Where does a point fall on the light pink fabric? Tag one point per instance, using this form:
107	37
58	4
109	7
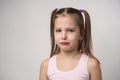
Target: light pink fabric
80	72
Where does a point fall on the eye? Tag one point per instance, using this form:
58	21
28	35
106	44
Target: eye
57	30
71	30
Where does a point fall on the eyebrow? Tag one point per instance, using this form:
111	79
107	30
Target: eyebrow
66	28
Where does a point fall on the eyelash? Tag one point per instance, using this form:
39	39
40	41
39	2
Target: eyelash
58	30
70	30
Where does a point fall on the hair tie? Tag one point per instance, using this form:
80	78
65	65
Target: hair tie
58	9
81	10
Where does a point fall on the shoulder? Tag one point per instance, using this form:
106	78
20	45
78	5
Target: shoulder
94	69
92	62
43	70
44	63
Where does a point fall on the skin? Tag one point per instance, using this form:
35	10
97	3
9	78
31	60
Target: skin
66	30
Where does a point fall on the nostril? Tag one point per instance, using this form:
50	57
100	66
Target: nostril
64	36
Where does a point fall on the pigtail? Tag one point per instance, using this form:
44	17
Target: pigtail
52	32
87	34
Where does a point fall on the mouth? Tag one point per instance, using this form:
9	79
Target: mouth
64	43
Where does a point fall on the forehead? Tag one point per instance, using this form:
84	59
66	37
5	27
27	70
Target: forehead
65	21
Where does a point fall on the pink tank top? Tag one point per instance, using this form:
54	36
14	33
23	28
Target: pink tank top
80	72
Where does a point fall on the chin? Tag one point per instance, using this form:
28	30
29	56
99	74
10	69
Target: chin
66	49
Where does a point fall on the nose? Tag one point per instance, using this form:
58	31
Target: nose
64	35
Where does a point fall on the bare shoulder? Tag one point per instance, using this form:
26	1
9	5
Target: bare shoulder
92	63
43	70
94	69
44	63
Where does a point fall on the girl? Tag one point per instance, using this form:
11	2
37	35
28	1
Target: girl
71	56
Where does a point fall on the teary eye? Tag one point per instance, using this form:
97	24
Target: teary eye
71	30
58	30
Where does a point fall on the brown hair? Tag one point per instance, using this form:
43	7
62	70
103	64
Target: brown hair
84	24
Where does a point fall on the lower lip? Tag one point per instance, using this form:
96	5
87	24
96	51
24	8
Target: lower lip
64	44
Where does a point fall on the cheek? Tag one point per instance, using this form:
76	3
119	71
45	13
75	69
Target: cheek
56	38
74	37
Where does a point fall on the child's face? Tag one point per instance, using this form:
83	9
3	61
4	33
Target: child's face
67	33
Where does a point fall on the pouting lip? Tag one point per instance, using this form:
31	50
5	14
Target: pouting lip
64	43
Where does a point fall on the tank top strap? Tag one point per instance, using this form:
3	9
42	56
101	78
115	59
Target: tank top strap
83	64
84	58
51	65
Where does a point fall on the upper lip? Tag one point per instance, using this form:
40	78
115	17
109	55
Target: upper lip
64	42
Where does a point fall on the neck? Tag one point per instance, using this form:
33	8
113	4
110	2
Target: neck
69	53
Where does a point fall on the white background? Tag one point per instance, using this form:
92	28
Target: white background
25	40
